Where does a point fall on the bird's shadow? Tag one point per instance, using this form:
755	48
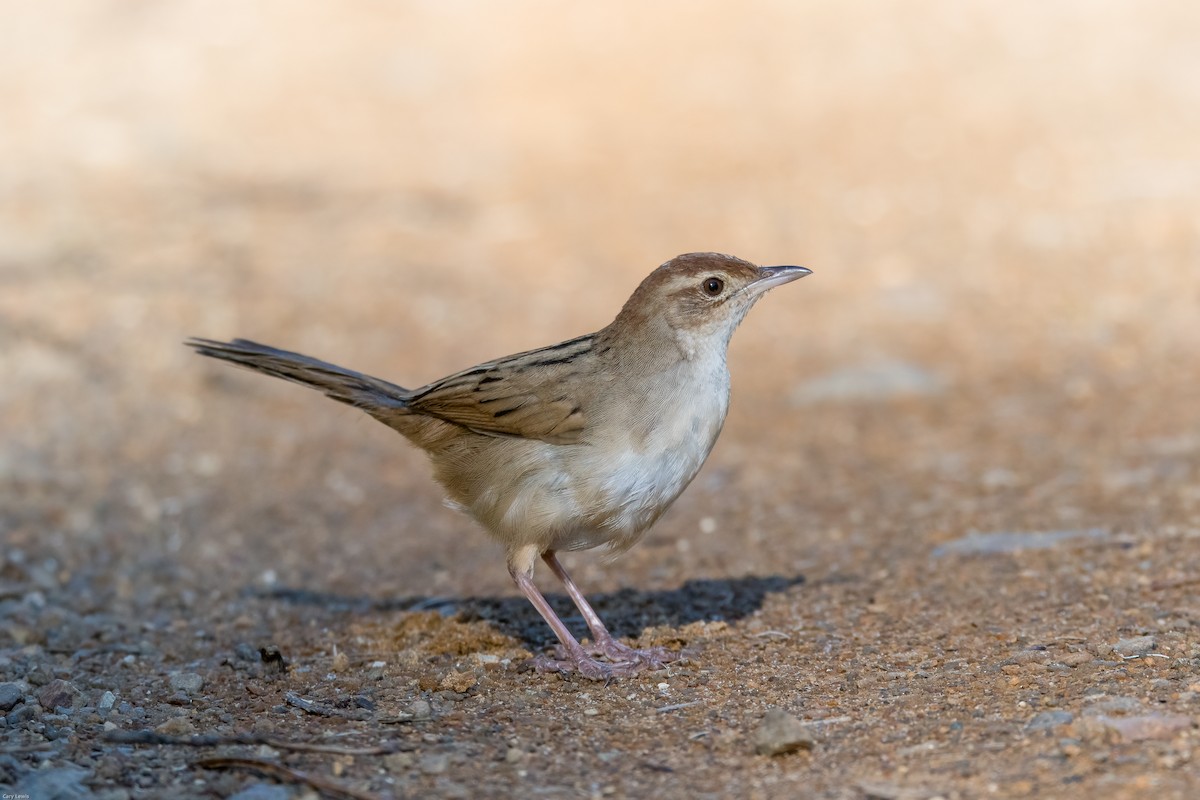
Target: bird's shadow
627	612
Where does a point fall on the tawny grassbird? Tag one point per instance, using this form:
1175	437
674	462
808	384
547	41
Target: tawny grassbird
577	445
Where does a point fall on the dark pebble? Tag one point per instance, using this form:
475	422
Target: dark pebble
21	715
36	677
246	652
58	694
10	695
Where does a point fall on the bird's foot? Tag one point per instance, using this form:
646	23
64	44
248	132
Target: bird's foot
587	666
651	657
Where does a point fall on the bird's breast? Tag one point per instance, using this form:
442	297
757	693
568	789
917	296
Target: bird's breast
651	455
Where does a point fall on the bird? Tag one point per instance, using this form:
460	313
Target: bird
573	446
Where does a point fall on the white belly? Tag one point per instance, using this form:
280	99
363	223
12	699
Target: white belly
639	477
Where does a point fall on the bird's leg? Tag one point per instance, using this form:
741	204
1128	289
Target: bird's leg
574	657
605	643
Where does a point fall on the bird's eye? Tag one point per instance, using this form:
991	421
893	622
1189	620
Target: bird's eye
713	286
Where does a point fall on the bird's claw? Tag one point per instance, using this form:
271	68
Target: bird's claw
652	657
591	668
621	660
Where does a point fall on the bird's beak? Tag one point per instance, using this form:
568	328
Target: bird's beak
770	277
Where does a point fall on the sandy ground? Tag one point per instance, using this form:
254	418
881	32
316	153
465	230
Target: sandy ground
952	526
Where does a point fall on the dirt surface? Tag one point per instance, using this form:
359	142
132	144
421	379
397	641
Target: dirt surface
952	527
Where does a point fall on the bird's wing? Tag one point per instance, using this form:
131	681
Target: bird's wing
533	395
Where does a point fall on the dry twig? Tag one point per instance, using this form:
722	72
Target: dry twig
320	709
150	737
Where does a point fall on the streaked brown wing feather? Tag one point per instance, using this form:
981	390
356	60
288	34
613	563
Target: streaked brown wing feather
527	395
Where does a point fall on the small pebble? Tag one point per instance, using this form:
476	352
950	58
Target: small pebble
781	733
1136	646
434	763
10	695
420	709
246	652
54	732
107	701
1076	659
265	751
976	543
1047	720
1114	705
57	694
37	677
460	682
176	726
1147	726
188	682
21	714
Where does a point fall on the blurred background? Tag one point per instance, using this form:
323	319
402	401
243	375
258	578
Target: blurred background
999	203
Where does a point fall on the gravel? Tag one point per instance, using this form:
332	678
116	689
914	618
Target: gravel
1003	293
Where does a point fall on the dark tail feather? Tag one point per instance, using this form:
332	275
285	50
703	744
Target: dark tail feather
346	386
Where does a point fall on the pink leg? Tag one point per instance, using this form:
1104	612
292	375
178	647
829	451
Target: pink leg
605	644
574	656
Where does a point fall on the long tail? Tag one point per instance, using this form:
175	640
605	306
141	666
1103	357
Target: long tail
377	397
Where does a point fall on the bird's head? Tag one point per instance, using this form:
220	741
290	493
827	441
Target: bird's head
702	297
